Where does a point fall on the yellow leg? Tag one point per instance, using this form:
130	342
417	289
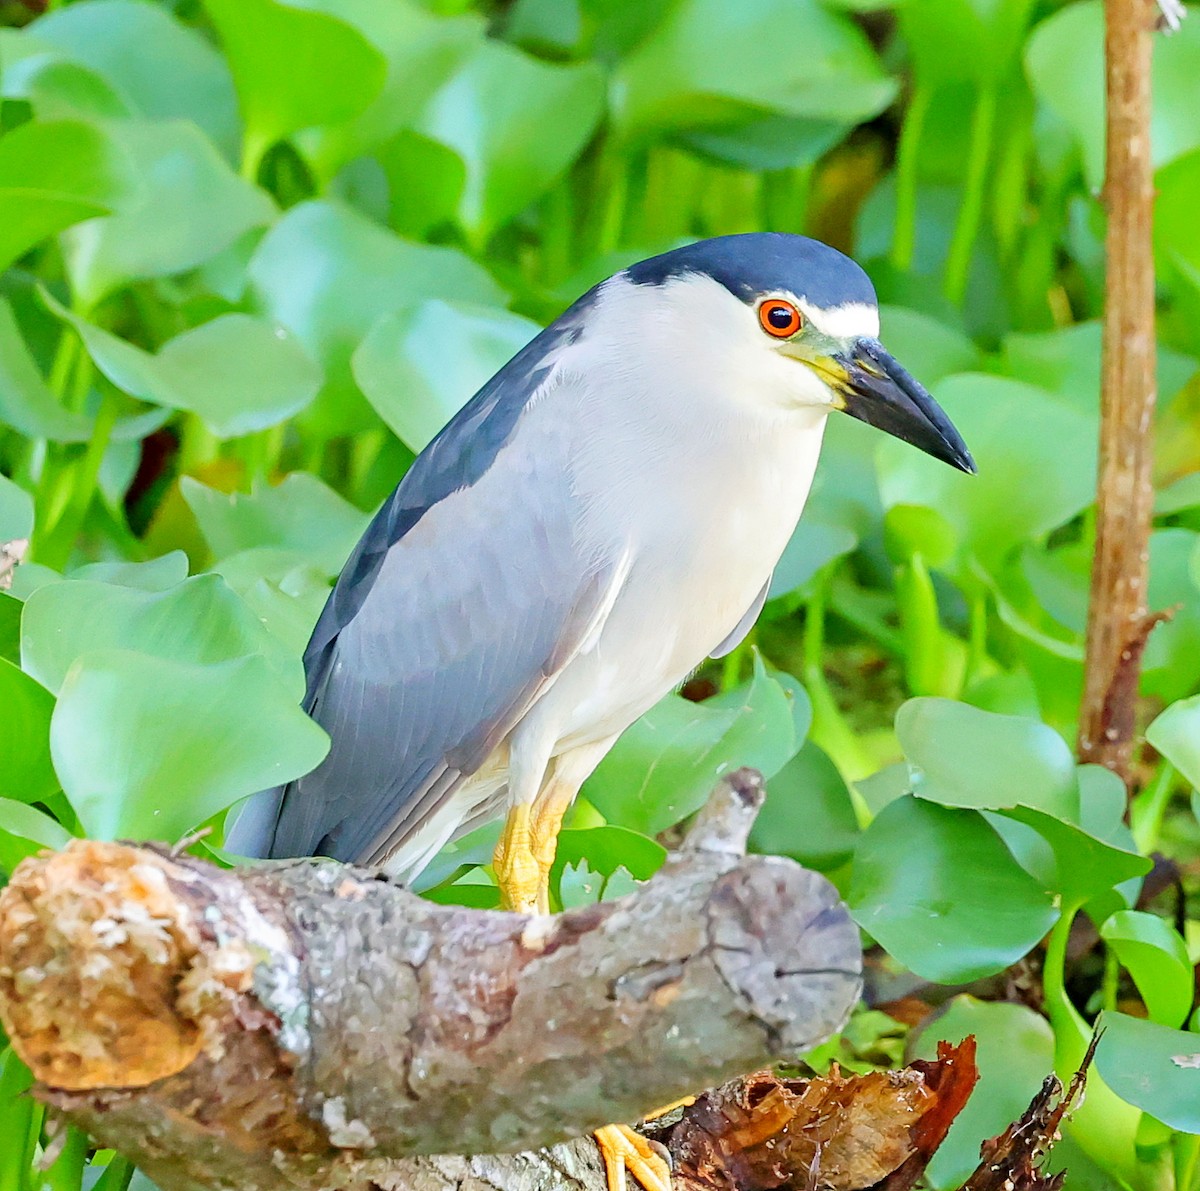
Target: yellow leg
548	813
517	870
625	1150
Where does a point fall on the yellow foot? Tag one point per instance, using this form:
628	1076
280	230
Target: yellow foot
624	1150
518	873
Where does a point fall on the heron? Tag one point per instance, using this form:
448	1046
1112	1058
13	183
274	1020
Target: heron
603	515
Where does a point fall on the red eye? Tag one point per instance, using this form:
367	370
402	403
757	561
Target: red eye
780	318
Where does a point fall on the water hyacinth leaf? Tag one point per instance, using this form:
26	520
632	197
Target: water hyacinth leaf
293	68
26	402
55	173
25	831
1036	457
768	143
148	747
709	64
301	514
421	51
53	85
189	206
963	756
16	511
665	765
327	273
1175	733
930	349
964	40
426	182
1155	955
808	814
10	628
1171	663
199	621
420	365
1015	1050
26	774
157	574
158	67
921	910
813	545
608	848
237	373
1075	34
1152	1067
517	123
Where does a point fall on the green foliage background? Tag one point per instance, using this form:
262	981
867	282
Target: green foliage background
253	254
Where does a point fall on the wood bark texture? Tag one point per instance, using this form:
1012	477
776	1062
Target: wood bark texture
309	1025
1118	622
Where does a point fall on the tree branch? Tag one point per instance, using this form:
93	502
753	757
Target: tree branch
1118	624
306	1024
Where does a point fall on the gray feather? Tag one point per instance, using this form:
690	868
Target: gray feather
744	625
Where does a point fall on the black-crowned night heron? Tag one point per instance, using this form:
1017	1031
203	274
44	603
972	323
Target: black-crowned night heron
600	517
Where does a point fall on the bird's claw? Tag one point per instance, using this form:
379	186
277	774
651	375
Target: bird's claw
625	1150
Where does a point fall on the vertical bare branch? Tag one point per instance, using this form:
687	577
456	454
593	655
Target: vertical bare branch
1117	617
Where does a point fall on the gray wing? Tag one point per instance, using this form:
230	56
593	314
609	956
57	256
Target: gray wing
744	625
462	601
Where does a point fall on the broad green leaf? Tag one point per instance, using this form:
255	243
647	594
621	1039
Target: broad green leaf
1075	35
964	40
199	621
1171	663
666	764
929	349
710	63
148	747
26	774
1155	955
1155	1068
53	174
1175	232
808	814
517	123
1015	1052
293	68
426	182
1036	457
16	511
160	68
189	206
606	849
768	142
962	756
28	405
327	273
908	892
54	86
813	545
1175	733
282	588
10	628
25	830
420	365
237	373
300	514
155	575
421	51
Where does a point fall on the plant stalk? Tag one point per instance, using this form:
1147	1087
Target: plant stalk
1117	615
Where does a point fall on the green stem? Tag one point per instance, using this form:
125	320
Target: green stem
970	214
1150	806
977	638
1187	1161
66	1171
904	238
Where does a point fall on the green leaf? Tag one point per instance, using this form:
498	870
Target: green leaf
199	621
16	511
808	814
148	748
155	575
1036	457
930	349
964	40
666	764
237	373
1015	1052
813	545
710	64
189	207
426	182
1157	958
517	123
25	831
327	274
962	756
606	849
293	68
10	628
1075	35
53	85
26	775
1153	1068
160	68
1171	663
420	365
1175	733
908	892
301	514
53	174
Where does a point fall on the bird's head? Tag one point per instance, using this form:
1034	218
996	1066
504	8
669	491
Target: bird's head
770	297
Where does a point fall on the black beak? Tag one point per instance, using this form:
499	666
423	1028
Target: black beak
878	391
